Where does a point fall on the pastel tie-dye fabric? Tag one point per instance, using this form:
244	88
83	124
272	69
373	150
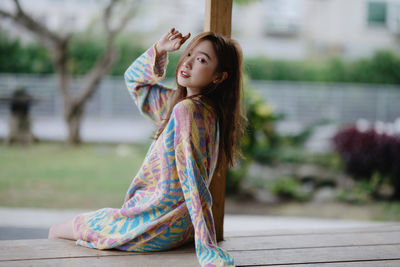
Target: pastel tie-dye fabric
168	202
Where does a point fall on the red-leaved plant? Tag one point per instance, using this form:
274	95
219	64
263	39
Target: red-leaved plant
367	152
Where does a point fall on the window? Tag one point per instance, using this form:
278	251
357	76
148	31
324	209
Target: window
377	13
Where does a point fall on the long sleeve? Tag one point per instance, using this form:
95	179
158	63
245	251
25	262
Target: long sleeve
191	161
142	79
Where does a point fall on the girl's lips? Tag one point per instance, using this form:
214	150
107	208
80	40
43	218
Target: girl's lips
184	74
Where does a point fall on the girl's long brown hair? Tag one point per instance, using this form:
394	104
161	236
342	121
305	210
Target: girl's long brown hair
226	98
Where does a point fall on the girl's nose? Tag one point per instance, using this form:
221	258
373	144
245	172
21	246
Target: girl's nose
188	63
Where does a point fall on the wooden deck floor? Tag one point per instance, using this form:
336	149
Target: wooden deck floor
349	247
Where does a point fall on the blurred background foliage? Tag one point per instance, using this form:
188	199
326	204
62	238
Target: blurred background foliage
16	57
263	145
382	67
363	167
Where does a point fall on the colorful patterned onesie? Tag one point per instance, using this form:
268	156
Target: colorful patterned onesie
168	202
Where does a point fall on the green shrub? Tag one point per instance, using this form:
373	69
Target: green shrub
382	67
259	139
173	62
128	52
289	188
83	53
16	57
336	70
264	69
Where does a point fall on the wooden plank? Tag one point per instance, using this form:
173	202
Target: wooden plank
173	260
328	237
390	227
309	241
370	245
47	252
181	260
385	263
44	248
217	19
316	255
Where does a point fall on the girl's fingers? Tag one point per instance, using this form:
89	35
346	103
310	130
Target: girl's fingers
184	38
179	35
174	36
170	33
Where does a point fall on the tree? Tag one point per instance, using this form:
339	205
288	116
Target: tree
57	45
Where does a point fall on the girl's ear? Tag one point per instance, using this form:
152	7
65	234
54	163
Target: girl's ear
221	78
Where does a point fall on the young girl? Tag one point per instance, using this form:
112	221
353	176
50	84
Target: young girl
168	202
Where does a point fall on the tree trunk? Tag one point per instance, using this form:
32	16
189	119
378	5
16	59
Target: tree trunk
58	45
74	119
396	186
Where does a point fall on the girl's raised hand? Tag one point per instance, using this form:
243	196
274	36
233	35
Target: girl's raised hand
171	41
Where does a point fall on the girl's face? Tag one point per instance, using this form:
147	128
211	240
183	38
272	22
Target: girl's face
198	68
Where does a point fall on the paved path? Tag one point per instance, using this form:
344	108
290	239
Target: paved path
27	223
139	129
93	130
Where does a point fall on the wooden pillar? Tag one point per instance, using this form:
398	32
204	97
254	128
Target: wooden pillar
218	16
218	19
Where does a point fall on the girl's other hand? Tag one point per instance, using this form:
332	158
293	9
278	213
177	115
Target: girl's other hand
171	41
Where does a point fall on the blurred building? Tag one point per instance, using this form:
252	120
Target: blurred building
290	29
149	21
299	29
60	15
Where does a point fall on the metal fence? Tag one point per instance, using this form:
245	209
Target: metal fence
301	102
340	103
111	99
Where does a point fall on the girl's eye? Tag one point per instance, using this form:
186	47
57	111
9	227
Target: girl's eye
202	60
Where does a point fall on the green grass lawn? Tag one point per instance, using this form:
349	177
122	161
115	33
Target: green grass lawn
53	175
93	176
